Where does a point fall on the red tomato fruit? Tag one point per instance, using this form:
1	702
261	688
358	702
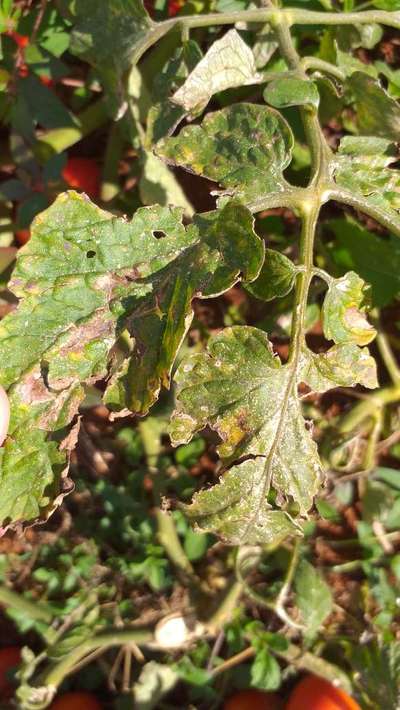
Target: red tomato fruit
21	40
10	657
23	236
83	174
313	693
76	701
253	700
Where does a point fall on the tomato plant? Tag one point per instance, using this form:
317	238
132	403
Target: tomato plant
212	311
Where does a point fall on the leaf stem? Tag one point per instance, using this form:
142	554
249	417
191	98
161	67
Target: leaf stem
388	357
292	16
34	610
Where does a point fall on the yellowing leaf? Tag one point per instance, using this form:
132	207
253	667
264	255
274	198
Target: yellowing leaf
241	389
343	311
343	365
245	148
228	63
101	298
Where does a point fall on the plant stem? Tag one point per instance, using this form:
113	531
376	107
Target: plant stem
387	218
34	610
292	16
388	357
323	66
367	408
55	675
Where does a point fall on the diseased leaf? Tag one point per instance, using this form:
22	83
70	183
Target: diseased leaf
377	113
291	91
244	148
343	365
221	247
108	34
228	63
343	311
276	277
85	280
240	389
313	597
155	680
375	258
362	165
164	116
229	509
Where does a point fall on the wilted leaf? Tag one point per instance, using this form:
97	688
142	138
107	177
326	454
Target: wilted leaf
343	365
228	63
362	166
229	509
108	34
291	91
276	277
240	389
343	311
245	148
84	279
313	597
221	246
377	113
375	258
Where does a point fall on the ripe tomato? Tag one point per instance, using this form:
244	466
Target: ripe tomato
83	174
21	40
10	657
252	699
313	693
76	701
23	236
4	422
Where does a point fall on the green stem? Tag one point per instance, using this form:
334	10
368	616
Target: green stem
367	408
34	610
388	357
55	675
386	218
110	183
320	65
168	538
292	16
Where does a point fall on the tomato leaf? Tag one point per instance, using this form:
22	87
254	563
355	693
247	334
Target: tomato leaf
276	278
291	91
86	280
241	389
228	63
313	597
343	311
343	365
377	113
246	164
109	34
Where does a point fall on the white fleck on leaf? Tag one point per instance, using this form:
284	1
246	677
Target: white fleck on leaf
228	63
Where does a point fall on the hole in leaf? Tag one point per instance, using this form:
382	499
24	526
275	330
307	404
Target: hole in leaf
159	234
90	254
